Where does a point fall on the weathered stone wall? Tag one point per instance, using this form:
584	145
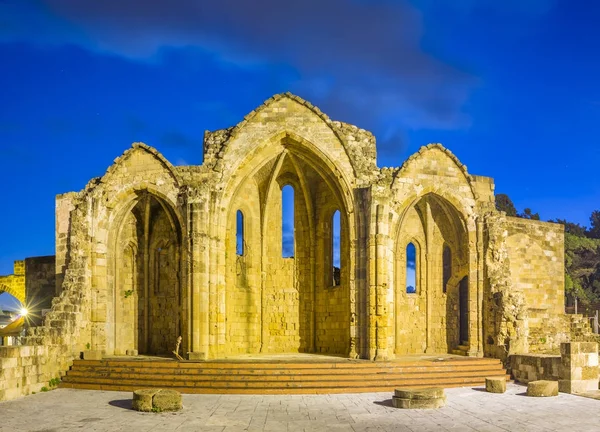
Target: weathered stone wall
431	205
147	252
534	367
536	261
40	286
576	368
26	369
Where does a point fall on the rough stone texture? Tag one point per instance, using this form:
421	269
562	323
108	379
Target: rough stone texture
142	399
542	388
40	287
92	355
147	252
418	403
419	393
579	367
167	400
495	385
535	367
156	400
536	251
418	398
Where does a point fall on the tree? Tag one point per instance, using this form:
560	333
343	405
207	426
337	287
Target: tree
571	227
505	204
527	214
594	231
582	268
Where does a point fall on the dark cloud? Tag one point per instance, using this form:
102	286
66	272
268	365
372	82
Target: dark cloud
357	55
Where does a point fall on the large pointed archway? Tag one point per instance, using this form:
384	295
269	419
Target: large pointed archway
147	277
281	293
429	314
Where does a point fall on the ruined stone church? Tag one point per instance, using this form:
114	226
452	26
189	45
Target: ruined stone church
424	264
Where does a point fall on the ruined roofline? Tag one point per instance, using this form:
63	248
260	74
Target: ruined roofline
395	172
558	227
357	142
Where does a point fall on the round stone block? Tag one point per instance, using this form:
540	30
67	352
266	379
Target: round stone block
419	393
542	388
418	403
142	399
495	385
158	400
167	400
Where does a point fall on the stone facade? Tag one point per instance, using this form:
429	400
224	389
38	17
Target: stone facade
147	252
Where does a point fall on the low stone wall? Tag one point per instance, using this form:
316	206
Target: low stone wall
535	367
576	369
26	369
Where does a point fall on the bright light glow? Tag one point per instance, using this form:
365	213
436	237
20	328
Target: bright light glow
24	312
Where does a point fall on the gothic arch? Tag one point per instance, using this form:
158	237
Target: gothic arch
287	158
146	275
432	223
18	294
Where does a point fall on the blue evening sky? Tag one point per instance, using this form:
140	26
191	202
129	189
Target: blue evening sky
511	87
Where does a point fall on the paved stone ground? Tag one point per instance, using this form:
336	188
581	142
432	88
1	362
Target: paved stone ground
468	409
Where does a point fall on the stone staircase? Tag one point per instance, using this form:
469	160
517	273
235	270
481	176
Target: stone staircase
462	349
343	376
581	330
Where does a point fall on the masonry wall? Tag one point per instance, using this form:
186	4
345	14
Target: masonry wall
40	286
536	257
26	369
534	367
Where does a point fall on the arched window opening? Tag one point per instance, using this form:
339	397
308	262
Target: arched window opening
239	233
287	221
411	269
447	266
336	252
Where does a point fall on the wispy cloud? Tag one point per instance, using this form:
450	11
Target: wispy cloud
362	59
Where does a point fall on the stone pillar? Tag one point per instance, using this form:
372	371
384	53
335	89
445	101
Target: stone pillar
579	367
429	285
199	282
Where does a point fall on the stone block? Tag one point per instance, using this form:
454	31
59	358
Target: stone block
142	399
419	393
132	352
418	403
156	400
167	400
542	388
419	398
577	386
92	355
196	356
495	385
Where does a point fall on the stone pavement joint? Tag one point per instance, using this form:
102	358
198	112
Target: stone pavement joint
467	409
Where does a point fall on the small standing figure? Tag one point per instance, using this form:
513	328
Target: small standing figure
176	351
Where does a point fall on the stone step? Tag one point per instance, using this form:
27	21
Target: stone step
74	375
278	377
349	364
286	371
303	387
